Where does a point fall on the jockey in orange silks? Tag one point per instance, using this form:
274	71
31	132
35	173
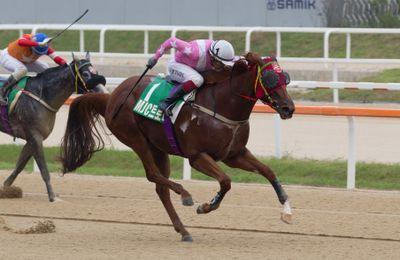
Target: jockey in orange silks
21	56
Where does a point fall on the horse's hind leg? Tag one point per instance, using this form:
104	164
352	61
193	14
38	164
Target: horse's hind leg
133	138
24	157
207	165
162	160
248	162
36	142
153	175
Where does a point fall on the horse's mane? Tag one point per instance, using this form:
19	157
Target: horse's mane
239	67
254	59
45	74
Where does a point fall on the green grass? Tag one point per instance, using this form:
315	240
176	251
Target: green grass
355	96
289	170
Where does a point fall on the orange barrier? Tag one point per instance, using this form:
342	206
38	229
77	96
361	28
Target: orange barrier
335	111
323	110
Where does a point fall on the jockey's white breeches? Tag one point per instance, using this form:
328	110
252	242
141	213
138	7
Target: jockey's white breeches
18	68
181	73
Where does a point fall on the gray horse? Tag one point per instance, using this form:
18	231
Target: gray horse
34	114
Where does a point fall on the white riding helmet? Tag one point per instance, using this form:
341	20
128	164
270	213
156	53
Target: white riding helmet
223	51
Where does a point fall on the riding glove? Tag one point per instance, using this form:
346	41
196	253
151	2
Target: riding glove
151	62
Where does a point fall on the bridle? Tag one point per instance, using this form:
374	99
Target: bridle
77	75
258	82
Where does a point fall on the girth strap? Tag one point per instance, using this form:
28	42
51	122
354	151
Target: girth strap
218	116
41	101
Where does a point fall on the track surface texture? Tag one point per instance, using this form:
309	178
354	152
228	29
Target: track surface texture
122	218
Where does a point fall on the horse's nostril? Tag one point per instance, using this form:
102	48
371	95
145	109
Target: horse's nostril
286	112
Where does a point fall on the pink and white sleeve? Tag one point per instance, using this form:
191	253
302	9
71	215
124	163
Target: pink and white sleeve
172	42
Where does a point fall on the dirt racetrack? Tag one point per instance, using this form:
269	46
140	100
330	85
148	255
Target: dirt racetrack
122	218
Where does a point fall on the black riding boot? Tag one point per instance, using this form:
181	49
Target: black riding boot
4	90
173	96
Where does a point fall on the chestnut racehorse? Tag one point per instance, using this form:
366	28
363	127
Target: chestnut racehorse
215	128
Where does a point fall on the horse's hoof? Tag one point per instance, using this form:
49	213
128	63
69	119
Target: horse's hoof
187	238
287	218
203	208
200	210
56	199
187	201
286	215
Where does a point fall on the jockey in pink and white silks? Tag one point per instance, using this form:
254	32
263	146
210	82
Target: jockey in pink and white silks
191	58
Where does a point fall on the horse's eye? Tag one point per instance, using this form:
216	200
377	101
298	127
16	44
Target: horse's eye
86	75
270	79
287	77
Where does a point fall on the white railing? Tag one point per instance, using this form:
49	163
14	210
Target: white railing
298	84
334	84
327	32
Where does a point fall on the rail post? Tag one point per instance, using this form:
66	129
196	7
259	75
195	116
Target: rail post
146	42
351	161
278	131
278	45
187	171
335	79
81	40
348	46
102	40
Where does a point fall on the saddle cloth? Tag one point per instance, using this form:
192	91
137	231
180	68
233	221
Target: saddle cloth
13	97
15	92
157	90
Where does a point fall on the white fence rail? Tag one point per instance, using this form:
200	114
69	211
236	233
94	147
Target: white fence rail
327	32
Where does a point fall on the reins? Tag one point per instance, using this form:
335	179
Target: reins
77	75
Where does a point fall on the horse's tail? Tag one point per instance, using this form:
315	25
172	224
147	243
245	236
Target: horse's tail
82	137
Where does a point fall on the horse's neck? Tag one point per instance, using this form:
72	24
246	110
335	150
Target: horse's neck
225	98
54	87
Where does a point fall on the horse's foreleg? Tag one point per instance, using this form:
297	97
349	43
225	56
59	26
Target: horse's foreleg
36	142
163	193
207	165
248	162
23	159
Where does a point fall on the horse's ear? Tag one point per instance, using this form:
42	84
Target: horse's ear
87	56
254	58
73	56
